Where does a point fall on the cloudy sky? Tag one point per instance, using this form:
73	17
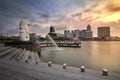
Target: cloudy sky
63	14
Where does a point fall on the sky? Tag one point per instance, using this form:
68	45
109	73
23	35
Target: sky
62	14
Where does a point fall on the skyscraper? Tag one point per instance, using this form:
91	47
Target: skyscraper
103	33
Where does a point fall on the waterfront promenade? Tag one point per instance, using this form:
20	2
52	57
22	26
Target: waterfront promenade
13	69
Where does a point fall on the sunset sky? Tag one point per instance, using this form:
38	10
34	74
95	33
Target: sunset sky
63	14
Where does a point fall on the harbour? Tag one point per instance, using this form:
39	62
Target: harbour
59	40
13	69
62	44
93	54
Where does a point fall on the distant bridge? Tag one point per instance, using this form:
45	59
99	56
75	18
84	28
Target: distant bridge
61	44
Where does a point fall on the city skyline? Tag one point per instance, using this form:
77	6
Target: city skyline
62	14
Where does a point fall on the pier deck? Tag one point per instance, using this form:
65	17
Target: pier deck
62	44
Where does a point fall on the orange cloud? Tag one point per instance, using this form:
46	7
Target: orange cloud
113	6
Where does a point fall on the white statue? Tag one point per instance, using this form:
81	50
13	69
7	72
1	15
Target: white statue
24	30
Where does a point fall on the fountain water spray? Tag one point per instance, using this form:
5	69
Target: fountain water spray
55	45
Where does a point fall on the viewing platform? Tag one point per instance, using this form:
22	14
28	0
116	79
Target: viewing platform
61	44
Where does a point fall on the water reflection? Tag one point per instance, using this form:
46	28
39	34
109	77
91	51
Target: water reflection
95	55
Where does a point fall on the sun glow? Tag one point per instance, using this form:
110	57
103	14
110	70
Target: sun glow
109	18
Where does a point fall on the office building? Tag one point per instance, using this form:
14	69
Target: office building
76	33
103	33
67	34
87	33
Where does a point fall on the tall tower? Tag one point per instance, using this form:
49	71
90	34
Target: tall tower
24	30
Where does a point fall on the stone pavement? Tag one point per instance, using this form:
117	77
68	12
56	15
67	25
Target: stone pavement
12	70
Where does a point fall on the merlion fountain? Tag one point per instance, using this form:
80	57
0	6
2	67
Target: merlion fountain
24	39
24	30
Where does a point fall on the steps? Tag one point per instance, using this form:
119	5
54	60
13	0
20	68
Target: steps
18	54
6	52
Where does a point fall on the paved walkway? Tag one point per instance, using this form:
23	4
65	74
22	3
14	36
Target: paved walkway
12	70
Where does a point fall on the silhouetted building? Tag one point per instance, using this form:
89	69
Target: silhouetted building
55	35
104	33
52	29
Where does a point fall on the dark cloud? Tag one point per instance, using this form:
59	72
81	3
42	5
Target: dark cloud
12	9
88	10
60	27
39	29
10	14
43	15
113	8
76	14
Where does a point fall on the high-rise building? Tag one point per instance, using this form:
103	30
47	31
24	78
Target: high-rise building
24	30
103	33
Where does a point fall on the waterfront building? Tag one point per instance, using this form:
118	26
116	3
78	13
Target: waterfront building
73	34
83	34
87	33
104	33
33	36
76	33
53	34
24	30
52	29
69	34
